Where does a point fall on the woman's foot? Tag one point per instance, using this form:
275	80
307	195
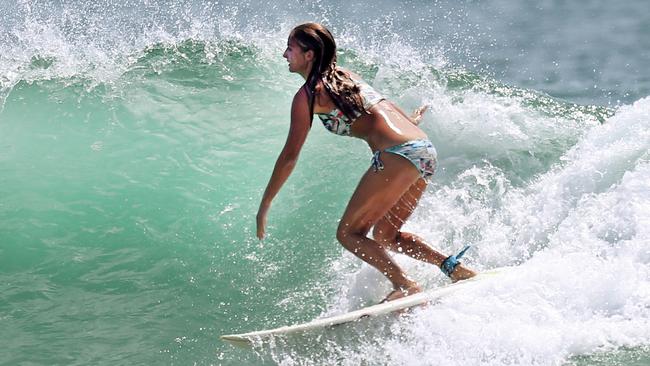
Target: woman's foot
461	273
402	291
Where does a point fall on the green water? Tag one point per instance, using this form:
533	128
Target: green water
129	208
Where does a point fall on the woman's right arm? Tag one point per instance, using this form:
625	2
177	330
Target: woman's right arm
298	130
416	117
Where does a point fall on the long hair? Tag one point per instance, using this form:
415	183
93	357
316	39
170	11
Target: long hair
338	84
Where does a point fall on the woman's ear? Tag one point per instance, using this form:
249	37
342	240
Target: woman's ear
309	55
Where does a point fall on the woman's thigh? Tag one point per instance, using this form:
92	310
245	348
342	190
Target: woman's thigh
378	192
391	223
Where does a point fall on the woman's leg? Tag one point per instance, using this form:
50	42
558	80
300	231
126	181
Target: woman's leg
387	231
376	193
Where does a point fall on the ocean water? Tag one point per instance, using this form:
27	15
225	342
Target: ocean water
136	140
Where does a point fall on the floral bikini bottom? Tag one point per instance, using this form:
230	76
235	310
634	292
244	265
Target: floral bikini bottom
419	152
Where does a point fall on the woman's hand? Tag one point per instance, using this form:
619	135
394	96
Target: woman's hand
416	117
261	221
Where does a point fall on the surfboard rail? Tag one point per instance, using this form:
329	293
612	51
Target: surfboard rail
247	339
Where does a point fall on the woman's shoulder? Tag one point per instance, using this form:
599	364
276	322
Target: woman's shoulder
301	99
302	94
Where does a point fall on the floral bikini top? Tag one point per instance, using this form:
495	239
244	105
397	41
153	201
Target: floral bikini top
337	122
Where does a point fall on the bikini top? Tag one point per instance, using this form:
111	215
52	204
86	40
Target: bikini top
337	122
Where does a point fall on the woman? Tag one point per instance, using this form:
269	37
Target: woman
403	159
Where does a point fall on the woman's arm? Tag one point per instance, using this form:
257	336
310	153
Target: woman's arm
416	117
298	130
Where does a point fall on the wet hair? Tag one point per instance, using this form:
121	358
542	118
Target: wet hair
338	84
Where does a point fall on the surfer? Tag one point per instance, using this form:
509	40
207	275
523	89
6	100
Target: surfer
402	162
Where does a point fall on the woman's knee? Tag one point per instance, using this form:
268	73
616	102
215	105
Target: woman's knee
385	234
348	235
345	234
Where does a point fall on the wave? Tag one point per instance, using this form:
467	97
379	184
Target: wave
576	237
230	59
151	126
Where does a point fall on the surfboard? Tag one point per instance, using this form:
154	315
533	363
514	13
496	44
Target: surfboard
247	339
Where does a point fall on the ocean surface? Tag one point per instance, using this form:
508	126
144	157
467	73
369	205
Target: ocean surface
137	137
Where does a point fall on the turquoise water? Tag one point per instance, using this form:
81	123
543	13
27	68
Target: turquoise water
136	141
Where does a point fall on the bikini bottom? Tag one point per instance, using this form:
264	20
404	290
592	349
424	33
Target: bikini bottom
419	152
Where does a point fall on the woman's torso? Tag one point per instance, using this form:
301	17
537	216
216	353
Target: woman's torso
384	126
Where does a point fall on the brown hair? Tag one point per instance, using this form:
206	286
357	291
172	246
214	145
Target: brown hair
340	87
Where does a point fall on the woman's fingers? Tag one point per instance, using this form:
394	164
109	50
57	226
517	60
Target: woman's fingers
261	222
417	114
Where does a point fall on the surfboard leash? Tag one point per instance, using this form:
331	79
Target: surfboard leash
450	263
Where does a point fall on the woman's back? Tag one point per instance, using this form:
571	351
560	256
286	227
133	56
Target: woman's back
382	126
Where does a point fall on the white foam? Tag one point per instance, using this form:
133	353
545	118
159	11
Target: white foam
579	233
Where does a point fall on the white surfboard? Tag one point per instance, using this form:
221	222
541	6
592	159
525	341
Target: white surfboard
246	339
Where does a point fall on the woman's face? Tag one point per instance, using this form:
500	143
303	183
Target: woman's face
299	61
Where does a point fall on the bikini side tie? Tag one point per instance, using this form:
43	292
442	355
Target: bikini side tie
377	164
